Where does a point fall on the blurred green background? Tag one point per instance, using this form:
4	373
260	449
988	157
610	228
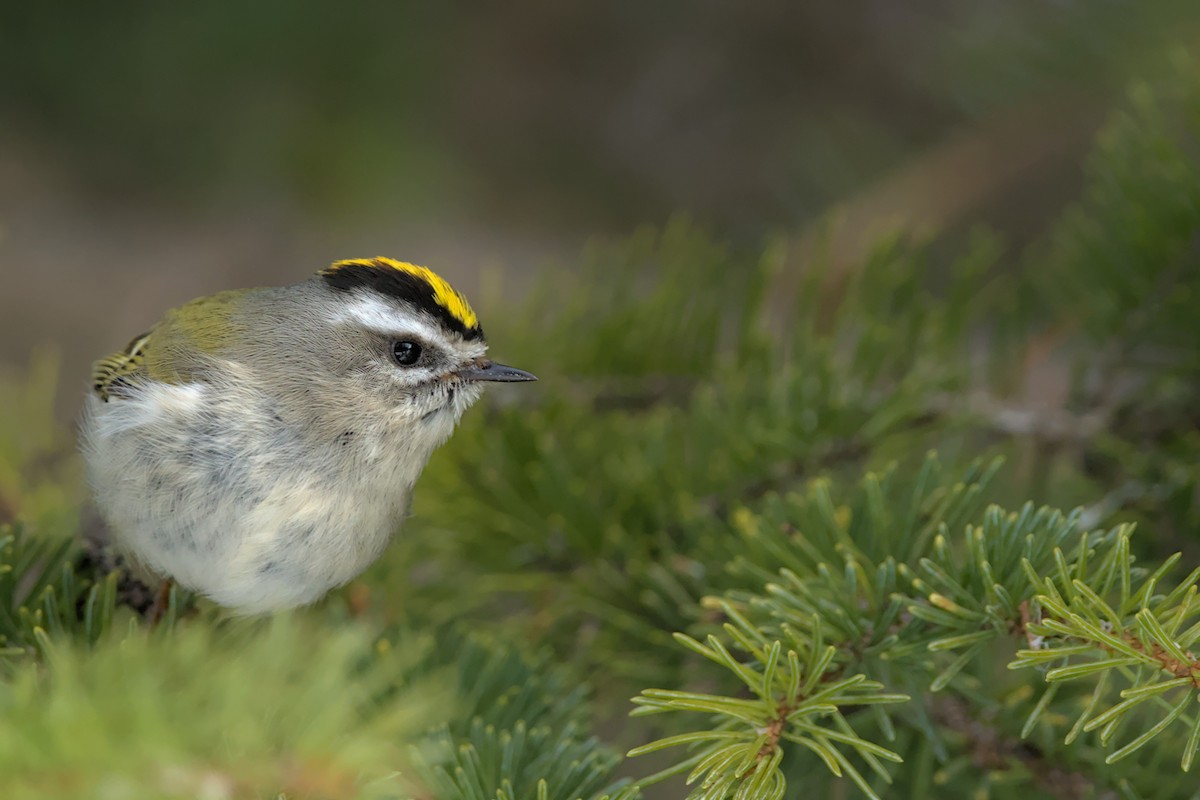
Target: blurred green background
153	152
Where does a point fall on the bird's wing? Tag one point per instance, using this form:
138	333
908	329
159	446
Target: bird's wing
116	373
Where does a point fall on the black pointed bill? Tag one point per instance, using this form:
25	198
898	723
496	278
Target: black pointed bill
491	371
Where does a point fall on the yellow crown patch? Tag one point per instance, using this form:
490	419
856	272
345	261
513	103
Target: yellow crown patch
408	282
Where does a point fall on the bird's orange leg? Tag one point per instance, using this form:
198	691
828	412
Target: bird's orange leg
162	601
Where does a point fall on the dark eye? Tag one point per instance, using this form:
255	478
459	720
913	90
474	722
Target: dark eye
406	353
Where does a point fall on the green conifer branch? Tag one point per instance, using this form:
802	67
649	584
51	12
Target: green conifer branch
852	633
40	590
1096	617
518	724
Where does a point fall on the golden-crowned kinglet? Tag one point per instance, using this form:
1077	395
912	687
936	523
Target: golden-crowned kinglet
260	446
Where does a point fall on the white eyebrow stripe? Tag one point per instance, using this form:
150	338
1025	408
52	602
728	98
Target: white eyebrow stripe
377	315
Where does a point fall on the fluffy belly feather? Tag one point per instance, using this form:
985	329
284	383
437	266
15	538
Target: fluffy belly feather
233	506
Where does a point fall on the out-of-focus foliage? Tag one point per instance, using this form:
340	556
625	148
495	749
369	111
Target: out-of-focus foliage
721	499
755	115
38	478
521	728
214	711
996	54
1118	279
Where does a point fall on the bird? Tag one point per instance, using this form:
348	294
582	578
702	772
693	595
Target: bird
260	446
